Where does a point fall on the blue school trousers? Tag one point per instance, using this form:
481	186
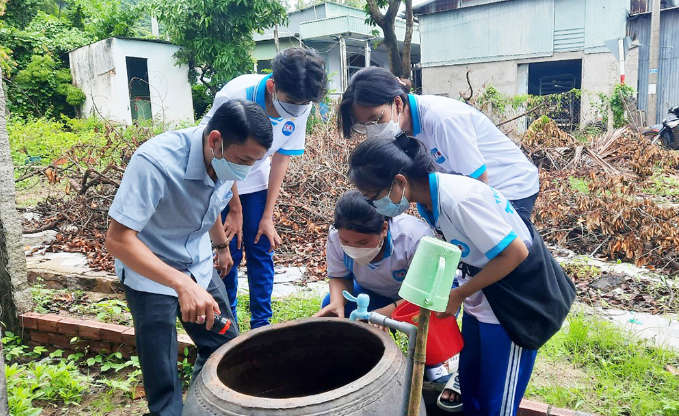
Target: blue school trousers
259	261
494	372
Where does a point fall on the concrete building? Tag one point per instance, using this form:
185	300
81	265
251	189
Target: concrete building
335	31
132	79
524	46
639	27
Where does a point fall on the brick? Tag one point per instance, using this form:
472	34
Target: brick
69	326
90	330
59	340
562	412
29	320
40	337
184	341
101	347
531	408
127	350
48	323
128	337
112	333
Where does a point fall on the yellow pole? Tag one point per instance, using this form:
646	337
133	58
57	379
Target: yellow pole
418	363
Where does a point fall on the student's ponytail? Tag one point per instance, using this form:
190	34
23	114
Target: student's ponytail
375	162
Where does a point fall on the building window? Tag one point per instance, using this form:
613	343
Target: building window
264	66
357	62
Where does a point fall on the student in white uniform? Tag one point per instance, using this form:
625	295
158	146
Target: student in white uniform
368	253
515	294
459	138
297	80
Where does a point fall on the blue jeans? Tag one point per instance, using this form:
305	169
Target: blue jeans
259	261
376	301
155	334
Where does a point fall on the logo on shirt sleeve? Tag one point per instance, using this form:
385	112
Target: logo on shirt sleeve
399	275
464	248
438	156
288	128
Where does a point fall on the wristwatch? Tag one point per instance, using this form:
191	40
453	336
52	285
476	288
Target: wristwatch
220	246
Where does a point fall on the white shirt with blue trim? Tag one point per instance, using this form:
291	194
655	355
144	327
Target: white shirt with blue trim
385	276
463	140
167	196
289	136
478	219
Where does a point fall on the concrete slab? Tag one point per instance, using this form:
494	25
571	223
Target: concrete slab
659	330
69	270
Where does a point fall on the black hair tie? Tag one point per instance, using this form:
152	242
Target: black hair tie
406	144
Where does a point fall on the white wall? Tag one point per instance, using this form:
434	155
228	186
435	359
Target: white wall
100	70
94	72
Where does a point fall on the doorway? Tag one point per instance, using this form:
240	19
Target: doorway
138	85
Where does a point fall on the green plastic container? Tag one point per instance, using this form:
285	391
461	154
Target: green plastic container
431	274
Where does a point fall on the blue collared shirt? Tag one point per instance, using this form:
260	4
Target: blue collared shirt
167	196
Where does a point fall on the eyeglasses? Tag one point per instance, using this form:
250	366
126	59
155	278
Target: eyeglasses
360	128
371	201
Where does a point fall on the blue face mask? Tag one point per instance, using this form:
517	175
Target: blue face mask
229	171
388	208
288	110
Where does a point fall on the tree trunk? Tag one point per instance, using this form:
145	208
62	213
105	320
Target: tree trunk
15	295
407	41
4	405
387	23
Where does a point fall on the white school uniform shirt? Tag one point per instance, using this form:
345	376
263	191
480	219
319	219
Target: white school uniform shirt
479	220
289	135
463	140
385	276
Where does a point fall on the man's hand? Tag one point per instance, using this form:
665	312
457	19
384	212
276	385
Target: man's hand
333	310
267	229
223	261
455	300
196	304
233	225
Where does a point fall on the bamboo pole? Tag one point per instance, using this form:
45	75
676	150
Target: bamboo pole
418	363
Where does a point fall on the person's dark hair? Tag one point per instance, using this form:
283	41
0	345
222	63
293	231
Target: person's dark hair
300	73
237	119
375	162
354	213
369	87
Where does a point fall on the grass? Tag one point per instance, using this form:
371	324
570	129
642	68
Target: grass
590	365
616	373
665	186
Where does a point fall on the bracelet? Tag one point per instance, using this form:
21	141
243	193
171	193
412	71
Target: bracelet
395	304
221	246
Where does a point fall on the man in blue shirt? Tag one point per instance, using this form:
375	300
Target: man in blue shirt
169	200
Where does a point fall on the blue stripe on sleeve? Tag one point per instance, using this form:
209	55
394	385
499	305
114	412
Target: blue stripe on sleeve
478	172
291	152
493	252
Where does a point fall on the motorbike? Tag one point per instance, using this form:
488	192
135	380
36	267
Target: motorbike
667	132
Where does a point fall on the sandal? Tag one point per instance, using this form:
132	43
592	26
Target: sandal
453	384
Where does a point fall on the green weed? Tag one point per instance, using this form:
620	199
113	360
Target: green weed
626	375
579	184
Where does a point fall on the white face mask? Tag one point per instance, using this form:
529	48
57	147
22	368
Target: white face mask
362	255
388	130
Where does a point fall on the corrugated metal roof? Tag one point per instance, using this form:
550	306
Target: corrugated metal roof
437	6
639	27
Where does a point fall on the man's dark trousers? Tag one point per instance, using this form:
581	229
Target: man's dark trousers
155	317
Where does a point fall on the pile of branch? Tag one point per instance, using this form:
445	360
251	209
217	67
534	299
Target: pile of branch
312	186
616	217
